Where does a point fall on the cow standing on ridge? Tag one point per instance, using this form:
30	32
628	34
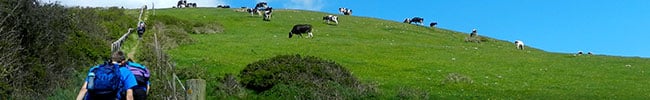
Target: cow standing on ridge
417	20
474	33
300	29
261	5
519	44
180	4
433	24
345	11
259	8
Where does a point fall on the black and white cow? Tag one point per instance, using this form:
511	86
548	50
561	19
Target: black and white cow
433	24
519	44
191	5
579	53
345	11
267	14
407	20
474	33
260	8
223	6
180	4
332	18
417	20
300	29
252	11
261	5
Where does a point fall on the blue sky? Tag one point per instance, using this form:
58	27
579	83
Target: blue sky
609	27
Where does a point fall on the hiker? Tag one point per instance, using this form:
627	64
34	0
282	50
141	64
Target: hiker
141	29
107	81
142	75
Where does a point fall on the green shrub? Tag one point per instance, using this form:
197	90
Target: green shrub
305	77
194	72
229	87
406	93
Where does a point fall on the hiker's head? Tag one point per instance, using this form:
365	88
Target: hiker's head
118	57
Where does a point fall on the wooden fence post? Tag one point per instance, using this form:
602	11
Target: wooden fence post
195	89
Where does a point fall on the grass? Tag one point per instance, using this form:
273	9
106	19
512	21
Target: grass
397	55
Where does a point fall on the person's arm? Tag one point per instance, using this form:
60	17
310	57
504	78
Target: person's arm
148	87
82	92
129	94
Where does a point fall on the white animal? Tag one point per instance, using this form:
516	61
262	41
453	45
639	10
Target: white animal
519	44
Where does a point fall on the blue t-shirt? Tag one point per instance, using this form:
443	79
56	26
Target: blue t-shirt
126	78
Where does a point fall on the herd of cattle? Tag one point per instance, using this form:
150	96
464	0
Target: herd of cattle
264	10
183	3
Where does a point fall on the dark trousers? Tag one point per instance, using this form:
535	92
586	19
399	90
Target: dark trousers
140	94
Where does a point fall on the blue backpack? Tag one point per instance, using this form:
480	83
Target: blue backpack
140	72
104	81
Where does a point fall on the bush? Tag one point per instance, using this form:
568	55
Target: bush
455	78
45	45
406	93
305	77
229	87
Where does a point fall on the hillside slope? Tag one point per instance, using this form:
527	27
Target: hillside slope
398	56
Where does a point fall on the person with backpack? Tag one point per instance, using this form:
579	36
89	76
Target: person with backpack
141	29
142	76
107	81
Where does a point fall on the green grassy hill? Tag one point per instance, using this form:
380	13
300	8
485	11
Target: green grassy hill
398	57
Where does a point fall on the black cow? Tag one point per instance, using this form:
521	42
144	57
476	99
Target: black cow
300	29
417	20
332	18
267	14
433	24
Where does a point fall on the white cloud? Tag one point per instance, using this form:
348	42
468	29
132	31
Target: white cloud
135	3
316	5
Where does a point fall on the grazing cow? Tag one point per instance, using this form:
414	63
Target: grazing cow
589	53
252	11
579	53
223	6
417	20
300	29
433	24
407	20
332	18
191	5
474	33
345	11
180	3
267	14
519	44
